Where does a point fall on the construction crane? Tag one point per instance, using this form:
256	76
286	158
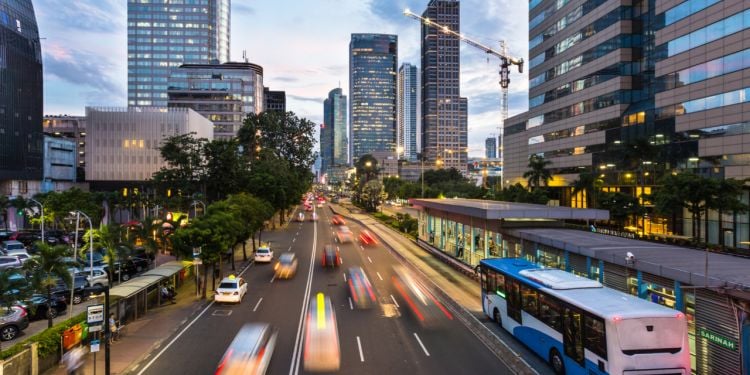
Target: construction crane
505	62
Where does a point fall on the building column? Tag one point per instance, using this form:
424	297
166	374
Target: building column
588	267
601	271
679	304
486	244
566	256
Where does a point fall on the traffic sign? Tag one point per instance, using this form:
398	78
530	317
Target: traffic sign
94	346
95	314
197	261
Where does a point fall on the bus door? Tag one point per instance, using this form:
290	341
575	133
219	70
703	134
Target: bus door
513	290
573	335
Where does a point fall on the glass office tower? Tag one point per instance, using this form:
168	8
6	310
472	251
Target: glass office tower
20	94
373	65
407	112
163	35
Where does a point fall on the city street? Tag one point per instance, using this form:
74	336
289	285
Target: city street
384	339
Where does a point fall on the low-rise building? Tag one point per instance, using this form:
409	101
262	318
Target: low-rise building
70	127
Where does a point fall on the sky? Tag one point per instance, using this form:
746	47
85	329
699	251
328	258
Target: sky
301	44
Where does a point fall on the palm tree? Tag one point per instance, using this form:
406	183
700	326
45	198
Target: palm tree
591	185
45	268
112	239
538	173
143	233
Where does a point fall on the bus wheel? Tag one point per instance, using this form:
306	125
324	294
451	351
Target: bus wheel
496	317
555	359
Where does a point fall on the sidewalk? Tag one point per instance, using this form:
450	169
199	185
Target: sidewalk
140	337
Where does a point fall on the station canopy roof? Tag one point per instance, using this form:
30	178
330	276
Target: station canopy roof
495	210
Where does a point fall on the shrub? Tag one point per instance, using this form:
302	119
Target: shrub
48	340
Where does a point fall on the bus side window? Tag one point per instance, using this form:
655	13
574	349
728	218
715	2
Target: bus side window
514	299
529	300
486	276
572	332
594	336
550	312
500	283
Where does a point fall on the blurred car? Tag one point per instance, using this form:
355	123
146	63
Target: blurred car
36	307
5	235
286	266
12	322
10	245
331	256
80	294
122	271
322	351
344	234
263	254
27	238
338	220
96	276
9	262
301	217
367	238
308	207
250	352
314	216
86	260
141	252
21	254
360	288
231	289
428	311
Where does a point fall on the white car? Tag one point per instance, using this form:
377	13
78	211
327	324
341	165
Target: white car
231	289
264	254
100	278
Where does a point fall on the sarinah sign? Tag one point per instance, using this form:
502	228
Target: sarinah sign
717	339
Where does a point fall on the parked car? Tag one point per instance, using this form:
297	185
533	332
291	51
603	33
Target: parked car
12	322
140	252
12	245
36	307
9	262
21	254
5	235
26	237
80	294
96	276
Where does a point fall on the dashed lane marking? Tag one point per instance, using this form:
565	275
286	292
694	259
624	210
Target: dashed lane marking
421	344
257	304
394	301
379	277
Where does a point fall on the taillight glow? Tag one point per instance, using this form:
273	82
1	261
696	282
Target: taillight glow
680	315
408	299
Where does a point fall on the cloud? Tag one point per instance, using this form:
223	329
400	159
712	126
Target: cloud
239	7
103	16
306	98
91	72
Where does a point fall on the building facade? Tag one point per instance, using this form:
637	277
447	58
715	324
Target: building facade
373	67
633	93
223	93
334	145
444	111
60	156
21	149
69	127
490	148
123	143
408	87
274	100
163	35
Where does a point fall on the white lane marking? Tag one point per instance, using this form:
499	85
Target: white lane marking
368	258
257	304
422	345
379	277
351	306
344	276
361	247
289	249
294	239
297	354
151	362
394	301
341	261
273	278
361	355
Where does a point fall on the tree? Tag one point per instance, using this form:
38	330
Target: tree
45	268
113	239
372	195
284	135
590	184
517	193
538	174
688	191
4	205
620	206
366	168
142	234
59	205
185	172
727	198
226	170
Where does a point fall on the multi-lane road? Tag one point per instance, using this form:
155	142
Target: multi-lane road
386	339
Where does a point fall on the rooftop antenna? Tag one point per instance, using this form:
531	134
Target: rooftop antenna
244	55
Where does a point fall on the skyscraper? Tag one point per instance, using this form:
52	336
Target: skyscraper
334	145
373	66
21	101
444	117
490	148
407	112
223	93
274	100
163	35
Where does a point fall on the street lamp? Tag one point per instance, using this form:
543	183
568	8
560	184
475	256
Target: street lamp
195	207
91	241
41	210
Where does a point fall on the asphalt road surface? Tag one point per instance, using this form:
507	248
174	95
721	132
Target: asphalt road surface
386	339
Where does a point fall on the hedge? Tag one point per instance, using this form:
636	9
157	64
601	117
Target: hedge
48	340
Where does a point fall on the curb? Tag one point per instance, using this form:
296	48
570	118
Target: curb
506	355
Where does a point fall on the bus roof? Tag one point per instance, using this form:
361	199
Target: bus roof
599	300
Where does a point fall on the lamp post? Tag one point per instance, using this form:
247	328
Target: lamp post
41	210
195	207
91	240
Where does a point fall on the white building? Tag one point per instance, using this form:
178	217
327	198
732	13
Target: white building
123	143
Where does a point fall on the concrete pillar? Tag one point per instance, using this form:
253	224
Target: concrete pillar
34	358
486	244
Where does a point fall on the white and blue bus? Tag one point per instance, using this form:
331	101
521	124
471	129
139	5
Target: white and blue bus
580	326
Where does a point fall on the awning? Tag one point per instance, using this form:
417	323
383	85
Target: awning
165	270
134	286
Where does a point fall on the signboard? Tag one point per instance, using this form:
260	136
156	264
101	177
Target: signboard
95	314
197	261
196	252
95	328
717	339
94	346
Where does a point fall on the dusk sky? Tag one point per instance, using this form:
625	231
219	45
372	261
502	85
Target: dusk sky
301	44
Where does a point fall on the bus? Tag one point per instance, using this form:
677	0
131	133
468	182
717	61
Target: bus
580	326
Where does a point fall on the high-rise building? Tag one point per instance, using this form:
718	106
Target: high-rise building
407	112
274	100
21	138
444	117
223	93
334	146
373	66
490	148
163	35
